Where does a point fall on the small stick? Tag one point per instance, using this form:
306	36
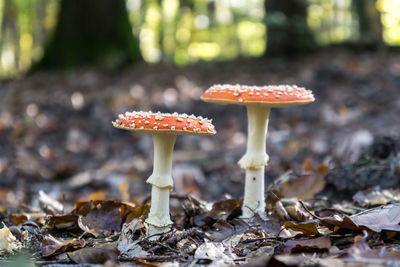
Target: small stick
272	239
308	211
175	239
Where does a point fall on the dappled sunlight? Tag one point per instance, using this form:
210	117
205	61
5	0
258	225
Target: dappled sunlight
390	16
331	20
181	32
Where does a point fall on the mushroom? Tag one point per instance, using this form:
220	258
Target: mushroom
164	128
258	100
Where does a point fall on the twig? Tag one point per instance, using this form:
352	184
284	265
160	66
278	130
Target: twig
157	234
173	240
308	211
273	239
272	192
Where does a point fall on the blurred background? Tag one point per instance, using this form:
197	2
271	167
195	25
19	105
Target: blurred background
185	32
69	67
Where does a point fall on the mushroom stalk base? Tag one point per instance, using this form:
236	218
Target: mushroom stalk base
256	156
159	210
157	231
253	201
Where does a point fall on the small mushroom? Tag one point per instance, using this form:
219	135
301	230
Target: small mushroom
164	127
258	100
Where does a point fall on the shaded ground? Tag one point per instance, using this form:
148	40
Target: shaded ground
56	133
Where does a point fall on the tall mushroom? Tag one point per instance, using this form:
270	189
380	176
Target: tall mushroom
258	100
164	127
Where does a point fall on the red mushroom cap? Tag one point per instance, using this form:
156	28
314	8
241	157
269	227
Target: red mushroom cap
164	123
271	95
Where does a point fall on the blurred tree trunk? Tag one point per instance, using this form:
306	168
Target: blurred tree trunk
369	23
287	28
91	32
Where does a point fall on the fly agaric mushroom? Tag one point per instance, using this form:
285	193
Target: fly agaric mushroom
258	101
164	128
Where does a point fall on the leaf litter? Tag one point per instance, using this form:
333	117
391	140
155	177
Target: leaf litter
333	194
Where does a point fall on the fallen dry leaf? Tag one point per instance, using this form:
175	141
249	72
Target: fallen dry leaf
48	203
82	207
323	242
223	230
132	250
374	197
361	252
104	219
52	245
8	242
61	221
377	219
225	209
23	217
304	186
309	228
131	232
94	255
271	226
295	209
137	212
260	256
220	254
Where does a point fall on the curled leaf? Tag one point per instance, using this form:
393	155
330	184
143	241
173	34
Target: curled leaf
52	245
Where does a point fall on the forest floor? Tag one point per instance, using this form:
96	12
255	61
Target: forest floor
69	180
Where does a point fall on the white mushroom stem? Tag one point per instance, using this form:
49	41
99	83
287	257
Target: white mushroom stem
256	156
253	201
161	179
254	160
158	219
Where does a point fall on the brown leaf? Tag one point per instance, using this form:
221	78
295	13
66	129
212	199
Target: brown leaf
323	242
82	207
260	257
377	219
225	209
131	232
137	212
295	210
93	255
271	225
105	219
306	186
52	245
23	217
61	221
360	251
374	197
223	230
309	228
